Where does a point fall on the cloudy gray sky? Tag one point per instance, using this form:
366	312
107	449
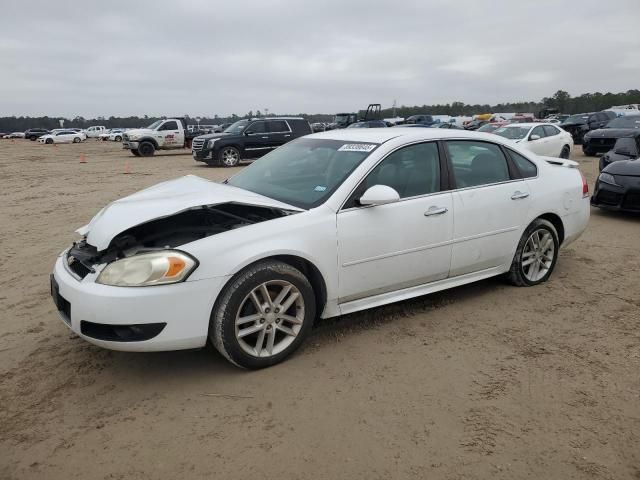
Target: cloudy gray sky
204	57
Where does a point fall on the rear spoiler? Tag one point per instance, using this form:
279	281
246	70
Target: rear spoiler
561	162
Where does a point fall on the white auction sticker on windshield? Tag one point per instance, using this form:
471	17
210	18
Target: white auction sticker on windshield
357	147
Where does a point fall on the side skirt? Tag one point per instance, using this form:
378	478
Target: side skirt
412	292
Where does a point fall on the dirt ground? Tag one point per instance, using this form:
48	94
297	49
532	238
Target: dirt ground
484	381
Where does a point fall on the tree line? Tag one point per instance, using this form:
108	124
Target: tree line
563	101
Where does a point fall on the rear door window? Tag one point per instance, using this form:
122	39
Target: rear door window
527	168
550	131
278	126
477	163
538	131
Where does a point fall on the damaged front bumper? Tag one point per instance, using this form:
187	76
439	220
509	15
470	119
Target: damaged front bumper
155	318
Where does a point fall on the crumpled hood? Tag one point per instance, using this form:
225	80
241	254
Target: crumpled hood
165	199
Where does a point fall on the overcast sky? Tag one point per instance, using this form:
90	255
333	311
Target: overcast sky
205	57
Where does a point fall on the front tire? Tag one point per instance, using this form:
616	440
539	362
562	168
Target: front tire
588	151
536	255
135	152
49	141
146	149
118	139
229	157
33	138
263	315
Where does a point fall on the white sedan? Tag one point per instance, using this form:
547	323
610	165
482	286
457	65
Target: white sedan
113	135
540	138
63	136
328	224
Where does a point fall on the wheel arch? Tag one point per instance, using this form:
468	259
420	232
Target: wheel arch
308	269
556	221
150	140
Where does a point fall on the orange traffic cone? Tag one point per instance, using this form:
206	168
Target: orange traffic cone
127	168
83	159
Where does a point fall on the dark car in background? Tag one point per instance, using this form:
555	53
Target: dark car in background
35	133
369	124
421	119
625	148
618	187
579	124
247	140
603	139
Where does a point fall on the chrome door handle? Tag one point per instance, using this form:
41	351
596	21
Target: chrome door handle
287	135
435	211
264	137
517	195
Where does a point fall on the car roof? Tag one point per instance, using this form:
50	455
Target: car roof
528	124
382	135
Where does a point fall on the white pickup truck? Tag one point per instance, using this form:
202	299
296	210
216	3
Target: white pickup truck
95	131
167	134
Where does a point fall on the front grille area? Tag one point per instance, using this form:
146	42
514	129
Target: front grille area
609	198
607	143
76	267
198	144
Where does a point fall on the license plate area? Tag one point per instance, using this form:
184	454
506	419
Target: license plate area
61	303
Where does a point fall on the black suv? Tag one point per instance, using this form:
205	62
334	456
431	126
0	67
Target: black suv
581	123
35	133
603	139
247	140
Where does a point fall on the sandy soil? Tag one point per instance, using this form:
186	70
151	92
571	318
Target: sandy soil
484	381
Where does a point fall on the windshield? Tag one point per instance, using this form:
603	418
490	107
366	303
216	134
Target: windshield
341	118
512	133
304	172
154	125
358	125
625	122
577	119
236	127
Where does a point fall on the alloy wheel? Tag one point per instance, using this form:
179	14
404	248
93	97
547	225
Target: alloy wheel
269	318
538	255
230	157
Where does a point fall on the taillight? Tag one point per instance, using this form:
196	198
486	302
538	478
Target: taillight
585	186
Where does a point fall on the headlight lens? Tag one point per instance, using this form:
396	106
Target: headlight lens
211	142
608	178
146	269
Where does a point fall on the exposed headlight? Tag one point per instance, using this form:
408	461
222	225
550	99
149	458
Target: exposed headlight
211	142
608	178
146	269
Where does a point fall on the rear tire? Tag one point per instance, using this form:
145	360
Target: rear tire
588	151
263	315
565	152
146	149
135	152
536	255
33	138
118	139
76	140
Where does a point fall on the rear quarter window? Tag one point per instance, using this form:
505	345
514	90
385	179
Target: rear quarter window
526	167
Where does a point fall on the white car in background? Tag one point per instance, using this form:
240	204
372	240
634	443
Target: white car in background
95	131
328	224
543	139
113	135
62	136
15	135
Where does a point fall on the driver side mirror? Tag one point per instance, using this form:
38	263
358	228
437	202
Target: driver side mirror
379	195
534	137
248	132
